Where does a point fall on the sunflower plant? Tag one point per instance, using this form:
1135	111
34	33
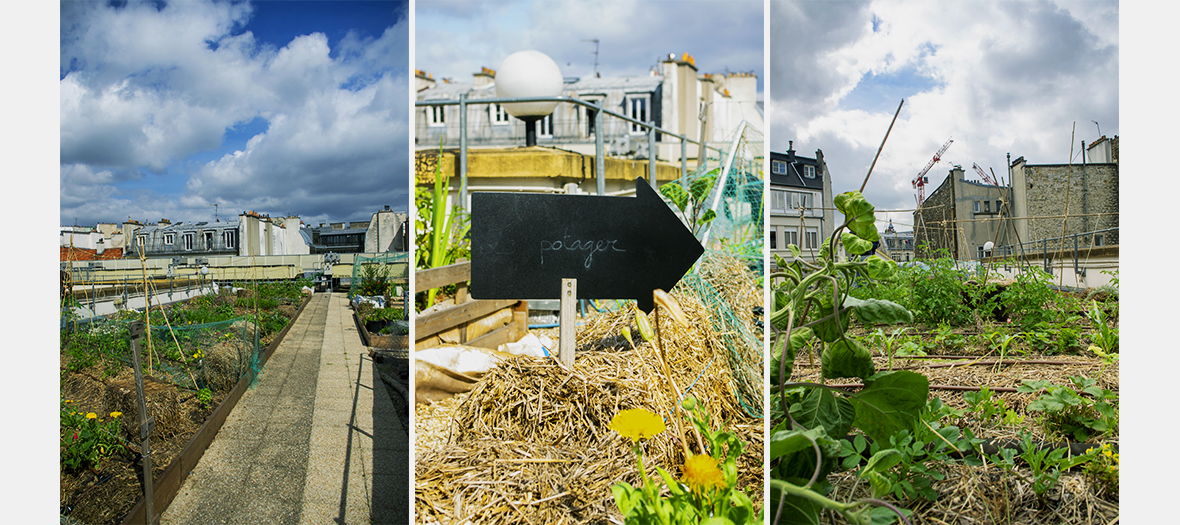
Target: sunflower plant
705	493
86	439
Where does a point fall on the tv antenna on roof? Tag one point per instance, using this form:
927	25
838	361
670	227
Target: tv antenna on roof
595	40
215	219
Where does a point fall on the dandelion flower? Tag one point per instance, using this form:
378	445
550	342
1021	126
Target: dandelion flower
116	414
91	415
637	424
69	401
701	473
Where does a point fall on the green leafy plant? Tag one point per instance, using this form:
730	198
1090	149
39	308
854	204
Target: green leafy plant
205	398
375	280
85	438
1069	414
442	240
690	199
947	338
888	343
706	491
1047	463
803	444
1028	300
1105	337
984	404
1104	470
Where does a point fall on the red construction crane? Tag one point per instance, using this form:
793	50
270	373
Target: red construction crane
986	178
921	180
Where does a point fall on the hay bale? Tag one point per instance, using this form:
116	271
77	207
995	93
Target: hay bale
162	401
224	363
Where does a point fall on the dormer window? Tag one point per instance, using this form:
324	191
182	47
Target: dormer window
169	239
809	172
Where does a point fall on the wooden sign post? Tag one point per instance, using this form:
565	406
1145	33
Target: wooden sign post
536	246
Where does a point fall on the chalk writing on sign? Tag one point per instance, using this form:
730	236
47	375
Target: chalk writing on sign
582	245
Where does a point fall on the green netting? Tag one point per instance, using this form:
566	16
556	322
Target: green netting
374	275
743	346
210	355
737	203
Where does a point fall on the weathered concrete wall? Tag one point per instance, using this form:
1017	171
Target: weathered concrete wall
1085	189
538	169
934	222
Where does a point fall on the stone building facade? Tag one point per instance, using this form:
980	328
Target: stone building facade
1045	207
961	216
1087	192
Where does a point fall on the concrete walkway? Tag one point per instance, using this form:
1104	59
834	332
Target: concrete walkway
316	440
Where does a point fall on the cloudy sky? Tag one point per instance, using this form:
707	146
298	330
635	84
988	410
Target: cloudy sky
455	38
278	107
996	77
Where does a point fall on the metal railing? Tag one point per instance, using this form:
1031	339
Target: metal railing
1047	251
599	155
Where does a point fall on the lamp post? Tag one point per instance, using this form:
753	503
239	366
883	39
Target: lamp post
529	74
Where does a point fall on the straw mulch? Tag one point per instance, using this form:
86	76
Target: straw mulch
987	494
531	442
107	493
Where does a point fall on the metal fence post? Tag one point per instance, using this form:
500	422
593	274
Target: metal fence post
651	153
683	156
599	155
145	423
462	151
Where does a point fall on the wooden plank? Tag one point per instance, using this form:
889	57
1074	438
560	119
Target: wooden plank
492	339
438	277
168	484
568	312
519	327
430	324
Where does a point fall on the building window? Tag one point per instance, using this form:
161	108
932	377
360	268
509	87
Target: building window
976	206
790	236
188	241
208	240
778	200
809	172
778	167
773	240
635	106
545	126
169	239
979	249
1098	239
438	115
141	240
591	113
987	206
229	237
499	114
997	206
803	200
812	239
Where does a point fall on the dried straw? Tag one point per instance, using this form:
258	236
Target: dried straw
531	442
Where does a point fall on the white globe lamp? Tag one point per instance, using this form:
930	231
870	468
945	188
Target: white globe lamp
528	74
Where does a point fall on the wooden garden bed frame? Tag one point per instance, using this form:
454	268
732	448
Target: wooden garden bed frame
465	310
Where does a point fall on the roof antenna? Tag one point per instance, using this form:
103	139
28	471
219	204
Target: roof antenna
595	40
215	219
1099	128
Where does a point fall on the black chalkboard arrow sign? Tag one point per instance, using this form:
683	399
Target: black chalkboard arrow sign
523	245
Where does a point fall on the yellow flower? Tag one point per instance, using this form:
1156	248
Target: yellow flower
701	472
116	414
91	415
637	423
69	401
